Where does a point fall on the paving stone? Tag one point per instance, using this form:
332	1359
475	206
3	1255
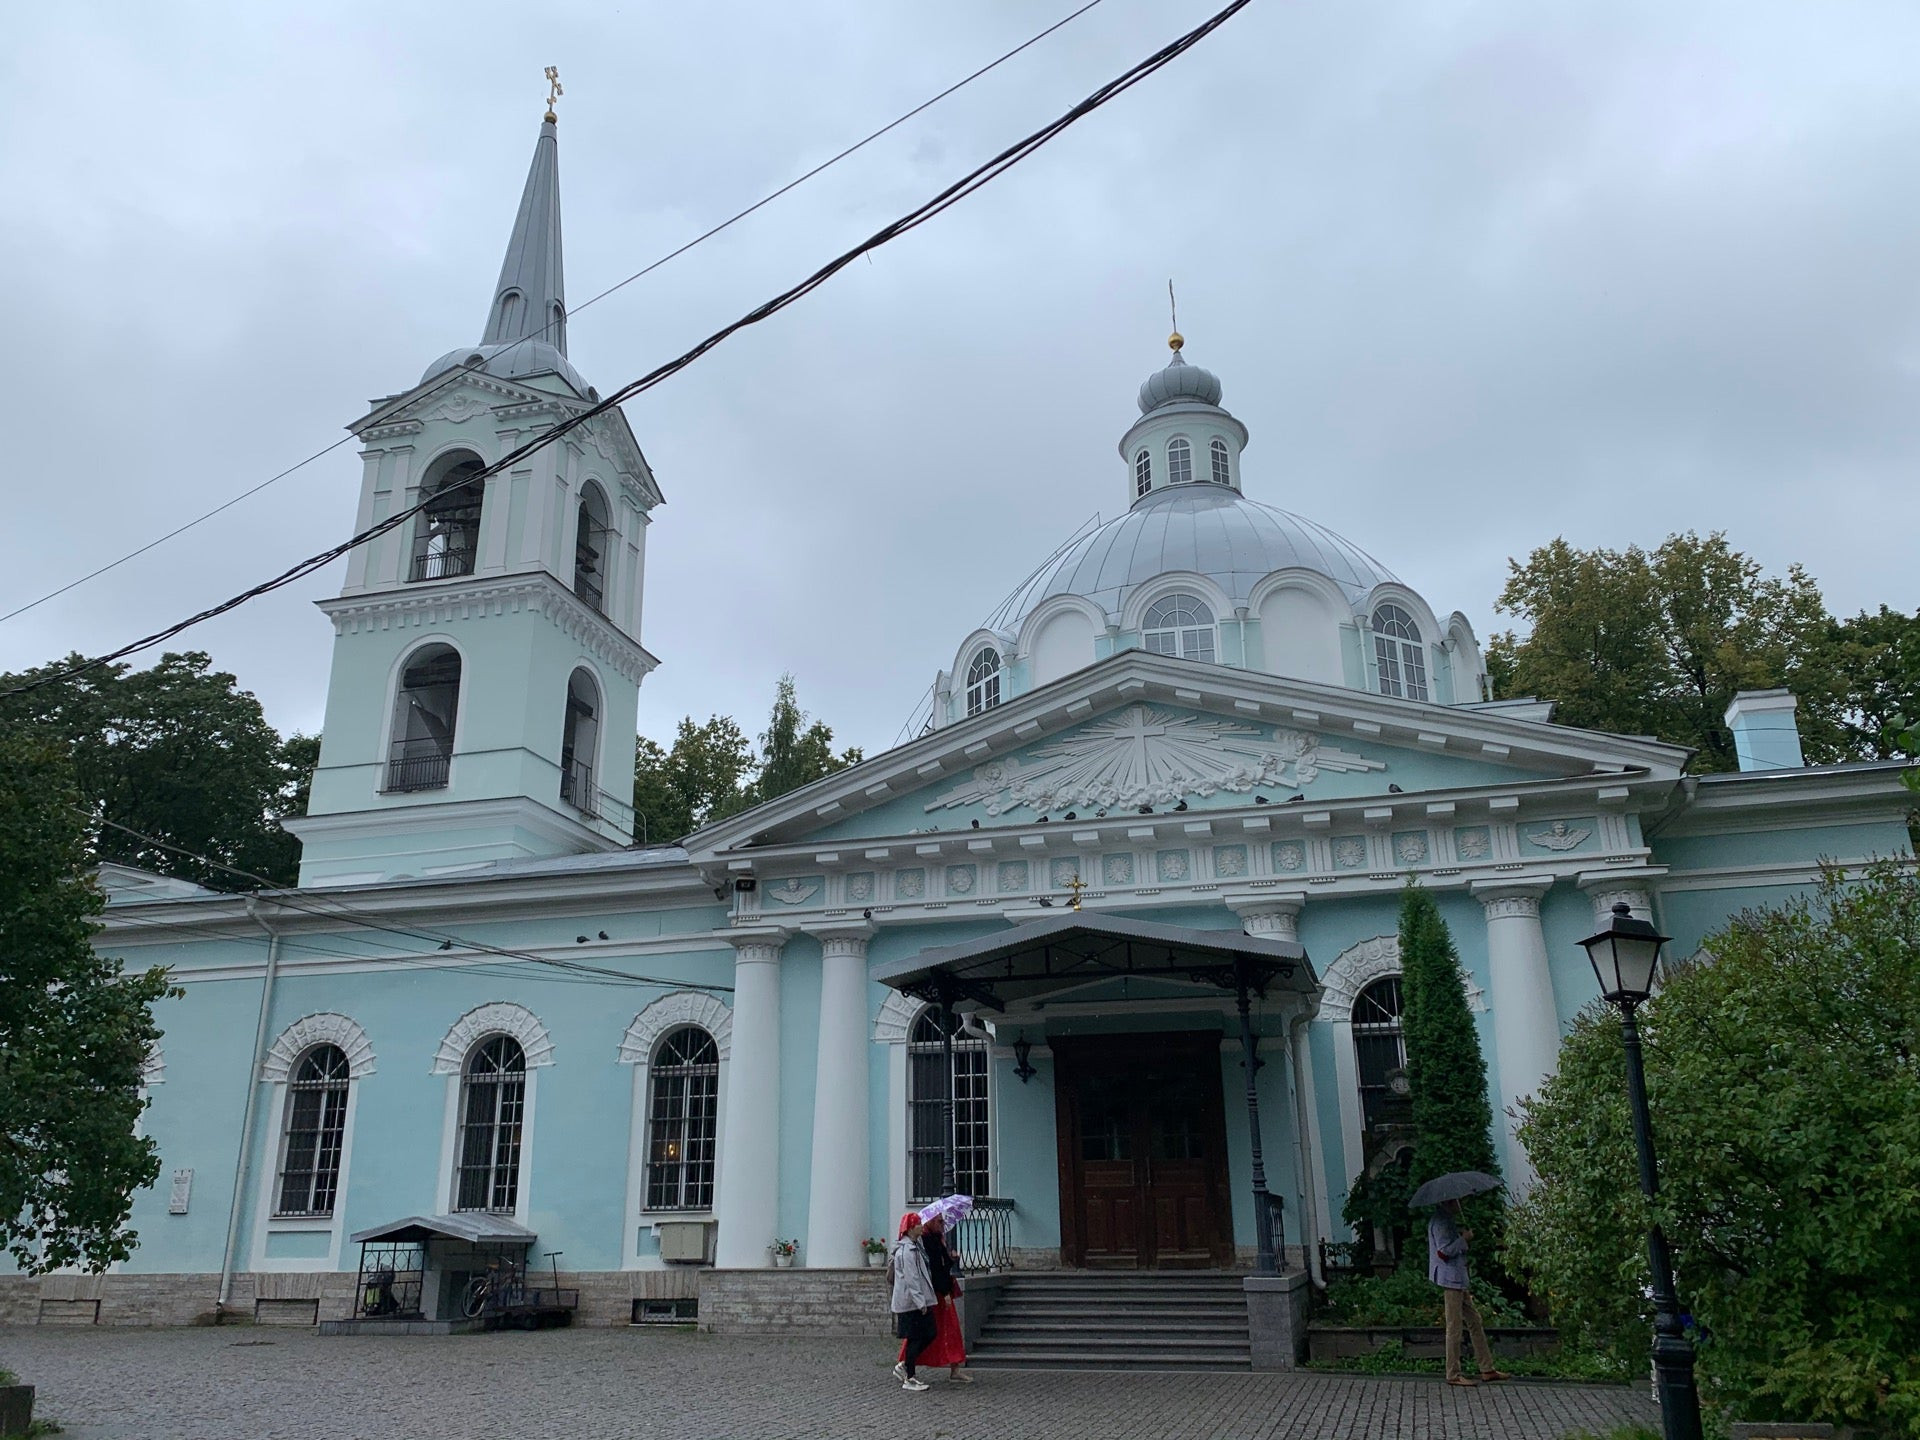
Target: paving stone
243	1383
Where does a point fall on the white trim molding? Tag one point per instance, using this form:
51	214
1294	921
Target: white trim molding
498	1017
323	1028
895	1021
669	1012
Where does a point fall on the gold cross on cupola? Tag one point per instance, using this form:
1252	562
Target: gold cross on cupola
554	92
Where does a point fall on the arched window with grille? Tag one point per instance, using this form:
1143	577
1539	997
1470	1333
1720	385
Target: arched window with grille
426	709
446	534
591	548
1380	1055
315	1130
580	743
493	1102
983	680
683	1114
1179	462
1179	624
1402	658
929	1083
1142	474
1222	463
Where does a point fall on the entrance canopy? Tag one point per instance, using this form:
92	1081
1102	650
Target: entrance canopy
475	1228
1042	957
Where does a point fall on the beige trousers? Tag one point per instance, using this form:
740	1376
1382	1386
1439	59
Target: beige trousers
1459	1304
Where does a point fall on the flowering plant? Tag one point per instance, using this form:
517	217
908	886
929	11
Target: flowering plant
873	1246
785	1247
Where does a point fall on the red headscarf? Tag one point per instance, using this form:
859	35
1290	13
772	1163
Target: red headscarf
907	1222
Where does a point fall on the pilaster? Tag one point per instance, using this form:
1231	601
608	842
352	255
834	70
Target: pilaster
746	1189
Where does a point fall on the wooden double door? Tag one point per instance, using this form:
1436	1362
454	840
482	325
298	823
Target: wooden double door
1143	1151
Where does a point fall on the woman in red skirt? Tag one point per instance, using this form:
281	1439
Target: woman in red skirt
949	1348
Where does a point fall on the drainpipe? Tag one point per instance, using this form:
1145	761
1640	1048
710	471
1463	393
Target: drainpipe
1309	1201
246	1115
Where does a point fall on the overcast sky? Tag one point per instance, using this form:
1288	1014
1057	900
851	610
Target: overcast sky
1474	275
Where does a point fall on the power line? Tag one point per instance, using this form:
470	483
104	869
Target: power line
974	180
461	371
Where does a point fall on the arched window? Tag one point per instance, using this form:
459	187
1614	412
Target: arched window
1179	462
493	1102
590	548
424	713
446	534
512	302
557	327
683	1108
579	743
1179	625
929	1083
1403	660
316	1126
1380	1056
1222	467
983	681
1142	474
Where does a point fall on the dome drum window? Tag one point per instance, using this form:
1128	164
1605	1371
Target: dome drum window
1179	462
1222	464
1142	474
1180	625
1401	656
983	681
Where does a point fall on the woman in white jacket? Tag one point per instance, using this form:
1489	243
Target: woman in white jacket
913	1299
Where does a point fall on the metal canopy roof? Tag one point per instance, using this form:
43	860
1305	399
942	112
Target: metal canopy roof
476	1229
1043	956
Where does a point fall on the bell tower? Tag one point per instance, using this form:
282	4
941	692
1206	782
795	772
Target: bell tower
487	657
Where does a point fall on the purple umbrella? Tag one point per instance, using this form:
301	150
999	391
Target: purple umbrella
950	1208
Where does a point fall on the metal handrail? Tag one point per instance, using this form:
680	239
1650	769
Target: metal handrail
983	1241
576	788
417	765
442	564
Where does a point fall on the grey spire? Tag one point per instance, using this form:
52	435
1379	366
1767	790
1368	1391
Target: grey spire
531	296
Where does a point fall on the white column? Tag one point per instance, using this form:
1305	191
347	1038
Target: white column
747	1203
1526	1026
837	1213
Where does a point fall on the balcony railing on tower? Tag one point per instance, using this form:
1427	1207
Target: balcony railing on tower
441	564
417	765
576	787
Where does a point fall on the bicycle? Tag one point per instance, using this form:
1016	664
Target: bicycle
500	1288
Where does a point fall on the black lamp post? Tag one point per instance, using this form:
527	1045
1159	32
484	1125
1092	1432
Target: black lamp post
1625	955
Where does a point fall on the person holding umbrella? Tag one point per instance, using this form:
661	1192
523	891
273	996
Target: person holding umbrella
949	1347
913	1300
1447	1244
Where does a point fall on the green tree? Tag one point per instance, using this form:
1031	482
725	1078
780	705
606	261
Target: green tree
795	749
180	753
1657	642
702	779
1785	1093
74	1032
1872	665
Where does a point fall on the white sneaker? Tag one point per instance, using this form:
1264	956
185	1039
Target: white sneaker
914	1382
900	1370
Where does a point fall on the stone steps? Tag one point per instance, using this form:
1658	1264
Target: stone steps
1118	1321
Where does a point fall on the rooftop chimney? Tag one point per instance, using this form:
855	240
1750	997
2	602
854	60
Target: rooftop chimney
1765	736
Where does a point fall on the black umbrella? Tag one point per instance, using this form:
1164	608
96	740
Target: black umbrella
1456	1186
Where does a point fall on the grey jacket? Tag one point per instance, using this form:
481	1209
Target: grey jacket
1446	1252
912	1284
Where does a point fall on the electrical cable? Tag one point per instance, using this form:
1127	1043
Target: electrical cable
959	190
463	370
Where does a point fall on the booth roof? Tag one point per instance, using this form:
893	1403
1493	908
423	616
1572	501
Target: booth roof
476	1228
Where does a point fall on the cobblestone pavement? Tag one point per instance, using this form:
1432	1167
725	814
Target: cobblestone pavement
266	1384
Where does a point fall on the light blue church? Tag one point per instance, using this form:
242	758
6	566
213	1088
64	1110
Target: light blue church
1157	827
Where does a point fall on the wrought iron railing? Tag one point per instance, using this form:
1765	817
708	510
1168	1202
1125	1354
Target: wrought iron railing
576	787
418	765
984	1240
442	564
390	1280
587	587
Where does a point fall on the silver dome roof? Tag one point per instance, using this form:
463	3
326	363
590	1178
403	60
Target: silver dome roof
1179	381
515	360
1208	529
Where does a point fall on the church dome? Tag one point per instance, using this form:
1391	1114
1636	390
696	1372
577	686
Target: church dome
1196	529
1179	381
515	360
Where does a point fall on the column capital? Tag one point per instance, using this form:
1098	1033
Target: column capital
842	937
1518	895
757	942
1634	888
1269	915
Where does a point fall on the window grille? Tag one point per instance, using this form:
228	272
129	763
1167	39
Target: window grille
1403	659
683	1106
1222	467
928	1084
493	1105
1142	474
1379	1047
1180	625
315	1128
983	681
1179	462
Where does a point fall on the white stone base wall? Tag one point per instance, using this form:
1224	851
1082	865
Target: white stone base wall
821	1302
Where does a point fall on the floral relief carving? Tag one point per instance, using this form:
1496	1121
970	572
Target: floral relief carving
910	884
1062	873
498	1018
860	887
1012	877
1230	861
1147	756
1116	869
1349	852
1173	866
1289	855
1410	847
1473	843
960	879
325	1028
670	1012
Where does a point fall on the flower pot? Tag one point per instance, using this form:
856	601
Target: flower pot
783	1262
876	1259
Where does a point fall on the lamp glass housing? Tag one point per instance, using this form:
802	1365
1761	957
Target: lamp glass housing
1625	956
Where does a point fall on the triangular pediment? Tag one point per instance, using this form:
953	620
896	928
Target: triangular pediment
1141	734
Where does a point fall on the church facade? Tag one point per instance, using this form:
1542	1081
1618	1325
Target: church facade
1158	826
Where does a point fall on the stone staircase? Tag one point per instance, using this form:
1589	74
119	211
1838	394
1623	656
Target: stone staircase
1117	1320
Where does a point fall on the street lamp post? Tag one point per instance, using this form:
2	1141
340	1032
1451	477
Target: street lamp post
1625	955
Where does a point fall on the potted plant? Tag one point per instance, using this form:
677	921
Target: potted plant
876	1252
783	1252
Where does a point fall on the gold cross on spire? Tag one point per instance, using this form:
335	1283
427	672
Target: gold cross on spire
1174	341
554	92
